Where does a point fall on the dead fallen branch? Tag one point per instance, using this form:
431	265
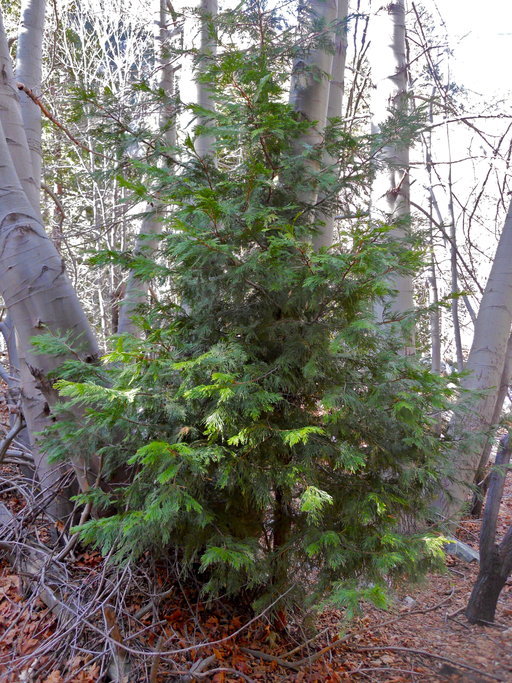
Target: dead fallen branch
416	611
297	665
270	658
431	655
196	675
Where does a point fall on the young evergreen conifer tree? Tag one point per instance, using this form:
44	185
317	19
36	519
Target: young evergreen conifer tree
273	435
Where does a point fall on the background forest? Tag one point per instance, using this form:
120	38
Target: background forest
257	308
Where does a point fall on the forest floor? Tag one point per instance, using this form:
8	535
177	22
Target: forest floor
424	636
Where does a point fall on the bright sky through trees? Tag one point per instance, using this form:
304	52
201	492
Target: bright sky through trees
481	36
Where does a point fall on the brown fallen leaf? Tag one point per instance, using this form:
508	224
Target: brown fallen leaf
29	645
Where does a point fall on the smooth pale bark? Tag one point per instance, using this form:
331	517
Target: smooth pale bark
136	292
199	47
17	170
13	128
324	237
506	381
12	380
204	144
309	92
28	71
35	288
485	367
390	191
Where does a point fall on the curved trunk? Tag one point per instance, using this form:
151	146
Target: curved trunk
480	480
37	294
35	288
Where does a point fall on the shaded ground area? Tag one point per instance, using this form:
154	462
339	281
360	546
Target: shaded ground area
144	625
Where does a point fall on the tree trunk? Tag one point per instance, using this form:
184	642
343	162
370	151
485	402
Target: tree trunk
199	47
481	481
136	292
309	97
325	234
435	313
484	597
35	288
495	560
204	144
485	366
390	192
28	71
14	134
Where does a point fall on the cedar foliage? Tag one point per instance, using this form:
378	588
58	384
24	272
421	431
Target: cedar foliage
271	433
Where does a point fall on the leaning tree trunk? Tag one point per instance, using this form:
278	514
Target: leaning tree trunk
390	191
485	366
34	285
481	481
495	559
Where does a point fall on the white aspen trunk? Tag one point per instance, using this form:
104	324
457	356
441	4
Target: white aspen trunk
309	91
390	192
199	46
34	285
485	366
37	293
136	292
28	72
204	144
18	167
10	117
324	237
506	380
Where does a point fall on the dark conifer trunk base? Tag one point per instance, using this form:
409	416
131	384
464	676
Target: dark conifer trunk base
484	597
495	559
